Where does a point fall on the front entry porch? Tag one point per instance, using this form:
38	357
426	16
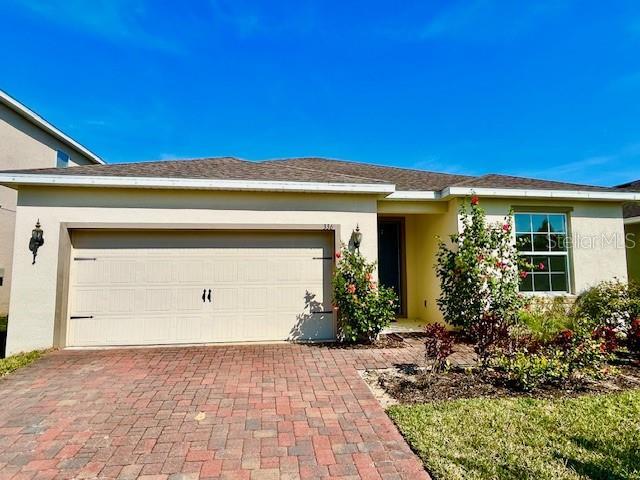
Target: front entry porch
408	236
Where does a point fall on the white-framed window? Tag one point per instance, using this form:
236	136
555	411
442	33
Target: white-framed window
542	241
62	159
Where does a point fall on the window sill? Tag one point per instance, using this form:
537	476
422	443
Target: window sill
549	294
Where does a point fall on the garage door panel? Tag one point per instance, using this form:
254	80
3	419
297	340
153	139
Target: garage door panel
189	299
252	270
254	298
189	329
263	287
299	298
122	272
224	299
158	300
87	300
158	271
224	271
90	272
158	329
314	326
120	300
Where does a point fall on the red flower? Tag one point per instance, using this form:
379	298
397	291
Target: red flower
524	275
475	200
506	227
351	288
338	255
541	266
368	277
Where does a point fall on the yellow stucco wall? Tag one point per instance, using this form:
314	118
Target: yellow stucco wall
598	253
633	251
597	231
422	234
38	301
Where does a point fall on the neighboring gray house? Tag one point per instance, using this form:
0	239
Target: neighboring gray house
27	141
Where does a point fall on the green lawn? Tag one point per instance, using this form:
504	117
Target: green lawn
591	437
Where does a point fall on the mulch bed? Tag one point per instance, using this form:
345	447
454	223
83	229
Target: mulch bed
410	383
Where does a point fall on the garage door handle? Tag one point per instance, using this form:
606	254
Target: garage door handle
204	295
209	296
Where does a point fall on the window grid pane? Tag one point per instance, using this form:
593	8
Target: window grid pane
543	233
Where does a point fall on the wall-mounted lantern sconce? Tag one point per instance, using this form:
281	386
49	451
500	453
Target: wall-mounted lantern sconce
356	237
36	241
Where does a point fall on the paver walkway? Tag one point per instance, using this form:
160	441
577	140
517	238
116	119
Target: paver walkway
242	412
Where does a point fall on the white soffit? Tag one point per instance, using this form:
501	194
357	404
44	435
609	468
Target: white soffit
541	194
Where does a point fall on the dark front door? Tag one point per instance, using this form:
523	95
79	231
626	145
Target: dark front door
391	257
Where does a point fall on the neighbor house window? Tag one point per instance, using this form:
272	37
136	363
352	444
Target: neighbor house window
542	242
62	160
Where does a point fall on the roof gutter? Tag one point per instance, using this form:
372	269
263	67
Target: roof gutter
36	119
16	179
540	194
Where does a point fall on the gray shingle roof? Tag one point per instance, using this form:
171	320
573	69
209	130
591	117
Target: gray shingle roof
403	178
309	170
631	209
631	186
506	181
219	168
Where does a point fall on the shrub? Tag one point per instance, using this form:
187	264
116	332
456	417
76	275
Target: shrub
530	370
633	336
569	353
478	270
438	345
489	334
546	319
608	338
609	304
364	308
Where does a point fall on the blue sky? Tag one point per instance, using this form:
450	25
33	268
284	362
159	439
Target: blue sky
549	89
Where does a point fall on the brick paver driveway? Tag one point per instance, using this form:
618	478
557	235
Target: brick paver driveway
248	412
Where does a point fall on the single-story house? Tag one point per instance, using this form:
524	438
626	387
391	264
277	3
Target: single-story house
228	250
632	227
28	141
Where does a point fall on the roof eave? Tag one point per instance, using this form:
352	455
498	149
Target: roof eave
36	119
540	194
414	195
14	180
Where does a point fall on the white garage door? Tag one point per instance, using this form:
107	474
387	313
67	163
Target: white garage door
145	288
